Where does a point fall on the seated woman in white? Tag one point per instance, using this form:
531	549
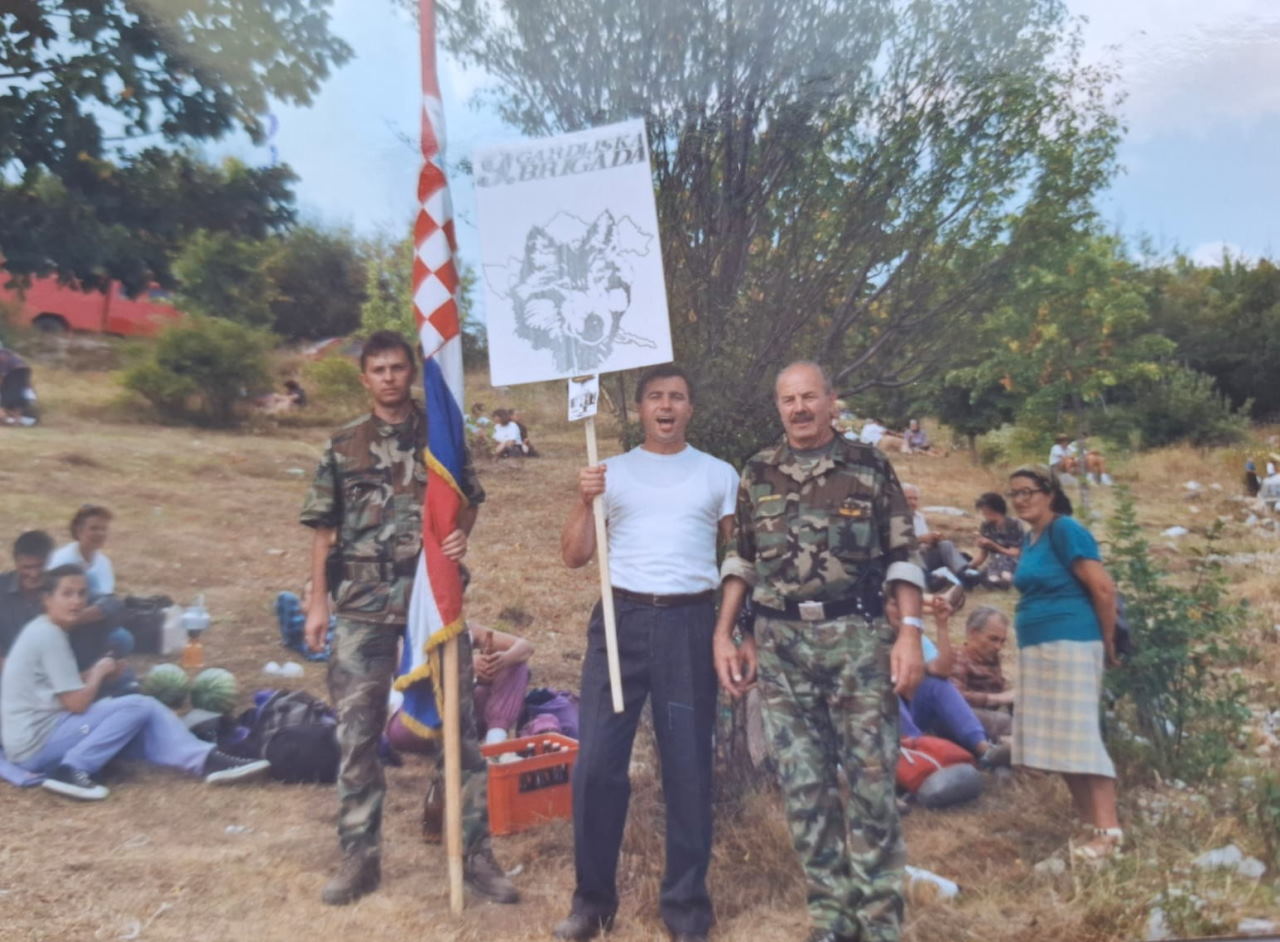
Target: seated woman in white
89	529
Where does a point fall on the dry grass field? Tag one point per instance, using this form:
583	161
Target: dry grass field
215	513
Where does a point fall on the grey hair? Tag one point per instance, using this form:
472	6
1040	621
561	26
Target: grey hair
826	380
908	486
979	617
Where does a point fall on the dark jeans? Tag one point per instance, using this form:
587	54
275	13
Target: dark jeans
664	653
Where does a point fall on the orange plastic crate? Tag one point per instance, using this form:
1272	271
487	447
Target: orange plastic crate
536	789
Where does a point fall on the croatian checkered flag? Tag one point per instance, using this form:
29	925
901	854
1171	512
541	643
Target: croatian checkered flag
435	611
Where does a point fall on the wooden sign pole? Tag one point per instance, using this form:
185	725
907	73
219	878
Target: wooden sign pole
606	588
452	775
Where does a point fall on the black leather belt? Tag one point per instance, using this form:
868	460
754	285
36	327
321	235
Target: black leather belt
868	607
664	601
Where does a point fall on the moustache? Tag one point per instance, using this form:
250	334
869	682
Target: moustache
801	416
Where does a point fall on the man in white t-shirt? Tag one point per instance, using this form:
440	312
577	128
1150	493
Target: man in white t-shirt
666	503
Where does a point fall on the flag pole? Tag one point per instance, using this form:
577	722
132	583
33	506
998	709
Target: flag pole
606	588
435	286
452	776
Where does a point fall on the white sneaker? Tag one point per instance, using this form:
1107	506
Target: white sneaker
495	735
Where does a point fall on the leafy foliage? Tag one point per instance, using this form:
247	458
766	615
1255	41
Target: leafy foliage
82	82
222	275
199	369
1075	328
1182	699
1225	320
388	304
849	182
334	380
1186	405
317	278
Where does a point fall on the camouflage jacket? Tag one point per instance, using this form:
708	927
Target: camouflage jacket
369	487
816	529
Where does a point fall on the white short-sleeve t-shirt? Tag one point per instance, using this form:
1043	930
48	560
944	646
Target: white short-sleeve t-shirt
507	433
871	433
100	574
663	512
40	666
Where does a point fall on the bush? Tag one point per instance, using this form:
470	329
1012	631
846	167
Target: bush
1182	700
1188	406
199	369
334	380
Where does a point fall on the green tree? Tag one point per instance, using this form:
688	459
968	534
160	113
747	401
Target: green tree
968	401
847	181
1225	320
1074	328
388	286
388	291
224	276
198	370
84	82
318	283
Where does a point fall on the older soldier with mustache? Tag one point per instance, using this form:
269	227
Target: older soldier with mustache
822	533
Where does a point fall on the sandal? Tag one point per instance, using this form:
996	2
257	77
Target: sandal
1106	843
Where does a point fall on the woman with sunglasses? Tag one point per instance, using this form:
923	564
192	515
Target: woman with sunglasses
1065	625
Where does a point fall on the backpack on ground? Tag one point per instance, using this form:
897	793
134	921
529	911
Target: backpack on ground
295	731
921	756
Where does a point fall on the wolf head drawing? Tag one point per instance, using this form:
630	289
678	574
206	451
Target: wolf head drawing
571	293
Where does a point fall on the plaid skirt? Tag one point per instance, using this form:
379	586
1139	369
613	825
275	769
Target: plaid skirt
1056	722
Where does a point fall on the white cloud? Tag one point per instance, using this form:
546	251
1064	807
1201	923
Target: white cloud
1187	65
1212	253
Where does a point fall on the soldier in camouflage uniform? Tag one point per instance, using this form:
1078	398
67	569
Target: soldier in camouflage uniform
367	495
821	531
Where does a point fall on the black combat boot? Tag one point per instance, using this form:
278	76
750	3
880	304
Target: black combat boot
482	873
359	873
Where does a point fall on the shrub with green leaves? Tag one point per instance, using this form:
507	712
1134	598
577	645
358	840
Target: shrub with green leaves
199	369
1177	690
334	380
1187	405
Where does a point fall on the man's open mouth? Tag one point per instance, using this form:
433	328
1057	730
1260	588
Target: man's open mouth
666	423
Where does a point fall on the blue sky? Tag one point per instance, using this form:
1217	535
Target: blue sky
1201	156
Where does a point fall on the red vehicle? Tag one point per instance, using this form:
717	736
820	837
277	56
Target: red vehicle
47	305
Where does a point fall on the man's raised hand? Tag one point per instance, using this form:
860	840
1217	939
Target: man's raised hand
591	483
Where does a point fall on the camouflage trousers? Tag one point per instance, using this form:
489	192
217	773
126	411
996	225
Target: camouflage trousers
362	664
828	703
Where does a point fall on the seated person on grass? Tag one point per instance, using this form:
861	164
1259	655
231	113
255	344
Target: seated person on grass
937	708
501	667
99	624
52	723
915	441
976	671
20	588
508	441
291	618
873	433
999	542
937	553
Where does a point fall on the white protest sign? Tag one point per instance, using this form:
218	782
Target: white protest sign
584	397
571	267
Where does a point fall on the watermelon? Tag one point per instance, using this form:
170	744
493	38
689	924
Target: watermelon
214	689
167	683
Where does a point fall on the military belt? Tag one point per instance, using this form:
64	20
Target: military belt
868	606
376	570
664	601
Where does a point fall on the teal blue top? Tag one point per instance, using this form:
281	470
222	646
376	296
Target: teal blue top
1054	605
